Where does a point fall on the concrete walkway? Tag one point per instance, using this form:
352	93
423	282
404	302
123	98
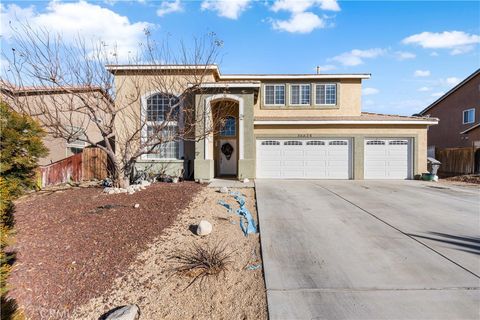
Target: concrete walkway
369	250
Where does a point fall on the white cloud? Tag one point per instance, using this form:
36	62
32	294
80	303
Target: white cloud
303	22
92	22
356	56
404	55
424	89
231	9
452	81
434	54
421	73
326	67
437	94
370	91
167	7
302	19
299	6
457	41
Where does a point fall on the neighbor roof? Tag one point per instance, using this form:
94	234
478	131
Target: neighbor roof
450	91
471	128
9	88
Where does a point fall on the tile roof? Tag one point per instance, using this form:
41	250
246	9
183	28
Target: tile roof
364	116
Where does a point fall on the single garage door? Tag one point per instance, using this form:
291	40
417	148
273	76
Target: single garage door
304	159
388	159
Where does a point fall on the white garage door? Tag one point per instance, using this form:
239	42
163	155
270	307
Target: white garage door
303	159
388	159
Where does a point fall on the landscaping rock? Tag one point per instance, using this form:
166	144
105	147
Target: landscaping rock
223	190
204	228
145	183
128	312
136	205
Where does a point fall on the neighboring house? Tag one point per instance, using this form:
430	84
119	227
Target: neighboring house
296	126
59	148
459	114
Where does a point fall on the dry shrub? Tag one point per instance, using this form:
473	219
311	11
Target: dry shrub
202	262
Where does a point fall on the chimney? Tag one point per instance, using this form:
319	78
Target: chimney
318	69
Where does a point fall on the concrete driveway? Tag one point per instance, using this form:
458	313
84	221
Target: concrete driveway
370	249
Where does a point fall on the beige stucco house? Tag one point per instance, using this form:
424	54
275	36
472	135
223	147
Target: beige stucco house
285	126
36	99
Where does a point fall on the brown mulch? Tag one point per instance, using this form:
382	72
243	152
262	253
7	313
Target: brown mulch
468	178
70	245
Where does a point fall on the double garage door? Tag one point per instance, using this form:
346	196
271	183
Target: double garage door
304	159
332	159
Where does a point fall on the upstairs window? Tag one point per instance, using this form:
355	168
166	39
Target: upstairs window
275	94
326	94
300	94
468	116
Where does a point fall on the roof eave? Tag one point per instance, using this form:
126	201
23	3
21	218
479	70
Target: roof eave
293	76
356	122
449	92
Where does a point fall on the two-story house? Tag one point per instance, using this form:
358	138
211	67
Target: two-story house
285	126
459	114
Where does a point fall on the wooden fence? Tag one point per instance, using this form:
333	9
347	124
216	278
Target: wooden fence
88	165
458	161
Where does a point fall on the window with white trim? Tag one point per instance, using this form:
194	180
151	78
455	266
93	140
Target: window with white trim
76	141
469	116
326	94
300	94
275	94
162	112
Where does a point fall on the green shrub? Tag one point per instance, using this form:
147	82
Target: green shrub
20	147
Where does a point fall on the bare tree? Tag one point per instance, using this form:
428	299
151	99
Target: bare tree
92	92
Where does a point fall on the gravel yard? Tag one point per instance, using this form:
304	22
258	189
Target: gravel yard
239	293
72	244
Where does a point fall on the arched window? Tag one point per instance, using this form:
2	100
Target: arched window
162	112
229	128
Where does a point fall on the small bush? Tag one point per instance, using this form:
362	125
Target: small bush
202	262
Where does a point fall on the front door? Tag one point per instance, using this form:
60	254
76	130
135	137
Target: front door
228	156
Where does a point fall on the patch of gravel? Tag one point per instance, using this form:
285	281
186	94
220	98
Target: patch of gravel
239	293
72	244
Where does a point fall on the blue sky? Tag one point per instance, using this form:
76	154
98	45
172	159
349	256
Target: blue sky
415	51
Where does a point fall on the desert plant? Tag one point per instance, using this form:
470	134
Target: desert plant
202	262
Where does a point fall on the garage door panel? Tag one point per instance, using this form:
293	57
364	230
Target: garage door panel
304	159
387	159
315	153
